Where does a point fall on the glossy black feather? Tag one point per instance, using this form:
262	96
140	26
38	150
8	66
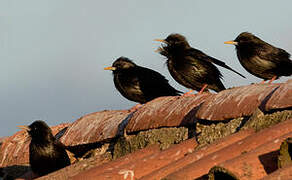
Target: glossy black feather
191	67
138	83
46	154
262	59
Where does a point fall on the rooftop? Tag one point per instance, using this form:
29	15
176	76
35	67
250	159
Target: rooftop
239	133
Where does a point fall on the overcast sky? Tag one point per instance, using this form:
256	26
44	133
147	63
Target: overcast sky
53	52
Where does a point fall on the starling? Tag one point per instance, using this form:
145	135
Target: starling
46	154
138	83
191	67
260	58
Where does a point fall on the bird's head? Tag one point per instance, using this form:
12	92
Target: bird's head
122	63
243	39
174	39
174	43
39	131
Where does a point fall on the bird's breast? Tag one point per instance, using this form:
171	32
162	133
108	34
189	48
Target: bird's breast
126	81
129	87
257	66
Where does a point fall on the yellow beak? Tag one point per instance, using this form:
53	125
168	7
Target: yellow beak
110	68
161	40
24	128
231	42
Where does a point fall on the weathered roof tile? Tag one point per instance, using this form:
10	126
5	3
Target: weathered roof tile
137	169
258	162
202	166
95	127
281	98
198	154
133	157
235	102
284	173
166	112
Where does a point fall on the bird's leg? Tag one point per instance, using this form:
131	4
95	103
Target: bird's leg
263	82
203	88
273	79
188	93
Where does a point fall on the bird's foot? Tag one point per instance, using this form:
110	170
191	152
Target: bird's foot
189	93
273	79
203	88
270	81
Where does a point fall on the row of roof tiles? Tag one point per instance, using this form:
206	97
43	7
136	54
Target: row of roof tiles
243	155
161	112
179	111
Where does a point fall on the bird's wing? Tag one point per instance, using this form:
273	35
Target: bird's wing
202	56
129	88
273	54
60	144
198	69
152	81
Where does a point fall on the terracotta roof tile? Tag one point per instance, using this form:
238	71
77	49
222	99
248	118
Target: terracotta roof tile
254	164
281	98
137	169
198	154
232	103
166	112
202	166
133	157
281	174
14	149
95	127
97	163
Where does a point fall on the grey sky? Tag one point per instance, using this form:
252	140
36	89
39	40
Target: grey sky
53	52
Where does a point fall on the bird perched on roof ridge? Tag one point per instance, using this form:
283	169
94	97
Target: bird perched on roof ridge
191	67
46	154
261	59
139	84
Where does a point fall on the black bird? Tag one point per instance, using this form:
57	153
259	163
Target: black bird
46	154
138	83
191	67
260	58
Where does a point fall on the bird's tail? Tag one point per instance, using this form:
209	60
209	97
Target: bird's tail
285	68
289	67
222	64
219	87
